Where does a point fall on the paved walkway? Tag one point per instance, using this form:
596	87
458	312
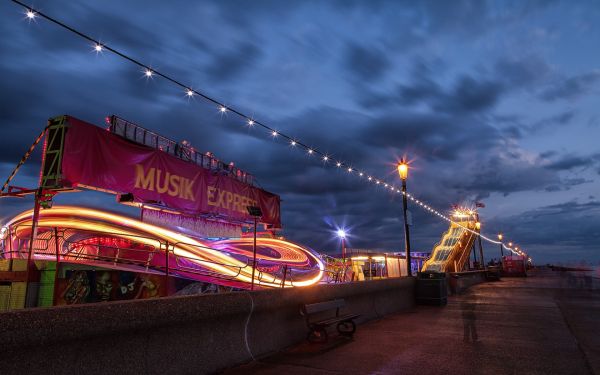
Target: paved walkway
543	324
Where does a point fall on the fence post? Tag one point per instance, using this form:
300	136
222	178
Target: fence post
10	248
167	269
54	299
284	276
34	222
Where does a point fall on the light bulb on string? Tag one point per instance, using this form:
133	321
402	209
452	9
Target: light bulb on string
274	133
293	143
189	93
30	14
98	48
250	122
148	73
325	158
338	164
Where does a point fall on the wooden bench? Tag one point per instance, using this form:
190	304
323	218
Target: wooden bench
318	327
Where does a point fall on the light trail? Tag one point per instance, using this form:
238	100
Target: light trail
86	232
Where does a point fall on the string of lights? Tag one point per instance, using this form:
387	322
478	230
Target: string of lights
327	159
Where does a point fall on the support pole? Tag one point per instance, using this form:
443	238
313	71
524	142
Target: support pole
285	267
34	228
406	230
167	269
481	252
254	253
56	245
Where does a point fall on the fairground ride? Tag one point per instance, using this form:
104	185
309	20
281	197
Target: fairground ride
196	211
451	254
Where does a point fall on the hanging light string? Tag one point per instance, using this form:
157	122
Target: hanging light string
149	72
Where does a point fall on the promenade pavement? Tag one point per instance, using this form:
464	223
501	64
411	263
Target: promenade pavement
542	324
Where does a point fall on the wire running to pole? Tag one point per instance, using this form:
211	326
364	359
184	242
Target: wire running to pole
250	121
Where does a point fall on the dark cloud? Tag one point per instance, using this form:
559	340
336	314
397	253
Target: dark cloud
366	63
523	72
572	161
468	94
571	88
228	65
434	135
472	95
566	184
551	123
569	226
504	175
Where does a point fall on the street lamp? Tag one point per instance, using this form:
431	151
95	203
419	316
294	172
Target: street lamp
403	173
255	212
500	236
478	227
342	235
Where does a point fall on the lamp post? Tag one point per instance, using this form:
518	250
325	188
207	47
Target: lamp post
403	172
342	235
500	236
478	226
255	212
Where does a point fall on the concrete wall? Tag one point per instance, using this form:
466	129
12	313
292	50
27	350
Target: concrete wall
190	334
458	282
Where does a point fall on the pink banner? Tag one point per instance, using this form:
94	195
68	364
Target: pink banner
97	158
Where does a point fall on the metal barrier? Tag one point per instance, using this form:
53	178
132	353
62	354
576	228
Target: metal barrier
181	150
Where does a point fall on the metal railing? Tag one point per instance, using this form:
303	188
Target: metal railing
181	150
144	253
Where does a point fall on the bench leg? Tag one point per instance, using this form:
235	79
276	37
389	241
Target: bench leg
317	335
346	328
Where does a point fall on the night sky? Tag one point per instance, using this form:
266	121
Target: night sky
491	101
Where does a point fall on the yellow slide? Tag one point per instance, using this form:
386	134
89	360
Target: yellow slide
451	254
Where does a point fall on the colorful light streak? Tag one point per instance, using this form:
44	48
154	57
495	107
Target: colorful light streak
223	259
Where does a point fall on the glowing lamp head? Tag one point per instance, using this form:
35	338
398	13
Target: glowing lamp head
30	14
500	236
222	109
341	233
478	225
325	158
148	73
189	92
510	244
403	169
98	48
250	122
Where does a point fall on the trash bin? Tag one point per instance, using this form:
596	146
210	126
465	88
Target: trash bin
432	288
